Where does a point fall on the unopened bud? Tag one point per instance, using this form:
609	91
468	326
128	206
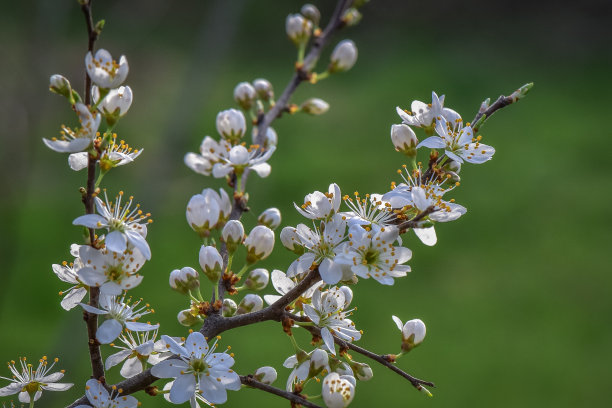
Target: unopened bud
453	166
229	307
259	243
270	140
348	296
211	262
319	359
257	279
342	369
186	318
270	218
298	29
404	139
245	95
343	57
413	332
185	279
264	89
202	213
250	303
115	104
266	375
232	235
312	13
363	372
291	240
231	125
314	106
60	85
351	17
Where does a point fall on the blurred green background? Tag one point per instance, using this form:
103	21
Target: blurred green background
515	295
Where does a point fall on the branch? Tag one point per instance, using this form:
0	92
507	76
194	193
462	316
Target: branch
294	398
91	320
414	222
300	75
382	359
501	102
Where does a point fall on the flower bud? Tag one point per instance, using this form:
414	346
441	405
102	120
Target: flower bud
60	85
337	392
266	375
245	95
211	262
257	279
291	240
404	139
312	13
413	332
186	318
184	280
264	89
319	359
343	369
270	218
231	125
363	372
298	29
232	235
259	243
202	213
314	106
115	104
229	307
453	166
343	57
351	17
250	303
348	296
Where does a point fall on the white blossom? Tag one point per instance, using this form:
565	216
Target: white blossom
197	367
250	303
137	351
80	139
298	29
282	284
122	222
270	218
211	262
69	273
112	272
115	103
99	397
424	115
338	391
231	125
211	152
265	375
245	95
29	382
321	206
240	158
185	279
233	235
413	332
257	279
370	210
259	243
115	154
343	56
404	139
121	313
104	71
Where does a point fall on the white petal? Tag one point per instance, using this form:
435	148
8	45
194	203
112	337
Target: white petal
10	389
212	390
139	242
137	326
170	368
262	169
131	367
433	142
426	235
57	386
73	298
116	241
398	322
78	161
328	340
108	331
92	309
116	358
90	221
183	389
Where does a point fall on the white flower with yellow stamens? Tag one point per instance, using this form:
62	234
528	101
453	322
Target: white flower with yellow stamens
321	206
424	115
211	152
114	155
104	71
370	210
80	139
69	273
371	254
338	391
239	158
122	222
197	367
138	350
30	382
99	397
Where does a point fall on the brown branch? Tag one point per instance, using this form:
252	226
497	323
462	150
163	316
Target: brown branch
294	398
302	73
91	320
414	222
416	382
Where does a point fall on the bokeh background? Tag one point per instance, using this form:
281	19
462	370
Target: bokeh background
515	295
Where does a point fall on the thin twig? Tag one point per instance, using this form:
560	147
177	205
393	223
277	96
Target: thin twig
416	382
294	398
414	222
91	320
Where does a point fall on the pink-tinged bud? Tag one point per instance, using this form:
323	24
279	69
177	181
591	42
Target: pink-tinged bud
271	218
185	279
264	89
231	125
343	56
232	235
337	391
291	240
211	262
229	307
314	106
404	139
298	29
250	303
257	279
245	95
265	375
259	243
